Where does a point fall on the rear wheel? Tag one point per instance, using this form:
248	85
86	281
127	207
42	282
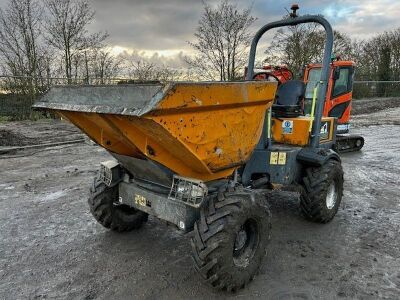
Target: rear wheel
322	192
105	207
230	239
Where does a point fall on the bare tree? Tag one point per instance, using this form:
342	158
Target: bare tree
104	65
20	48
67	31
167	74
143	70
379	57
222	39
299	45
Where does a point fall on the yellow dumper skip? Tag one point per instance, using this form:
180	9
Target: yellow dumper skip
198	130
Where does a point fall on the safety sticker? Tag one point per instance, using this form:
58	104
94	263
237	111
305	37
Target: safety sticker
273	160
277	158
140	200
282	158
343	127
325	130
287	127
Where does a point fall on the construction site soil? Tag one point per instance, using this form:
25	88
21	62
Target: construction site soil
52	248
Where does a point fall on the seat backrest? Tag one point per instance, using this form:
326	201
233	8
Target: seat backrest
290	93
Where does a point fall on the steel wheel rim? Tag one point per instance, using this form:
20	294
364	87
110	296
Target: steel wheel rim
245	243
331	196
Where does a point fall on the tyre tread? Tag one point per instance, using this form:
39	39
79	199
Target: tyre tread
209	237
110	216
315	186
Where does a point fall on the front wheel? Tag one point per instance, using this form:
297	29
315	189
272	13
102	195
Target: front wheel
104	206
322	192
230	239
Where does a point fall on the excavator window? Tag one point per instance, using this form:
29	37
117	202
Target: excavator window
314	76
344	82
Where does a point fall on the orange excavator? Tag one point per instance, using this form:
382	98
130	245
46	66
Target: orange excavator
338	96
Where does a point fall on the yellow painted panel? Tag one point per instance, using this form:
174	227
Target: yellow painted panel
99	131
189	95
295	131
200	131
221	139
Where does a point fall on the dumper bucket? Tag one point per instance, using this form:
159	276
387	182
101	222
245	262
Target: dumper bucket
199	130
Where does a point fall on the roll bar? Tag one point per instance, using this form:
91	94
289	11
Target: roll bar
323	83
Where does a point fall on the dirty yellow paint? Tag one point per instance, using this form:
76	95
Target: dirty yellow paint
199	131
215	94
300	134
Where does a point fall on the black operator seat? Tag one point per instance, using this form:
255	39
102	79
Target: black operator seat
289	99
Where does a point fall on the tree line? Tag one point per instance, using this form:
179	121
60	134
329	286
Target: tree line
43	39
40	39
377	58
223	37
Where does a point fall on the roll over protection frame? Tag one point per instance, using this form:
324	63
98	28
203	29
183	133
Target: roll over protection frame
323	83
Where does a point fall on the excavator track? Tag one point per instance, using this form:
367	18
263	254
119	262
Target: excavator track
348	143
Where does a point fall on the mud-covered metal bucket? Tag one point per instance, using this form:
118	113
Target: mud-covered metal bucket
198	130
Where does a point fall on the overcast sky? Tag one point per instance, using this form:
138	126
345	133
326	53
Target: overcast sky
164	26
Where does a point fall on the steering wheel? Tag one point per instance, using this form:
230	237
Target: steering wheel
283	73
266	76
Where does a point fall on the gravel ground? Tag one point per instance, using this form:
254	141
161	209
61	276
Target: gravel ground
51	247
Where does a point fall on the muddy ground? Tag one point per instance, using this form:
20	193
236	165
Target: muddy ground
36	132
51	247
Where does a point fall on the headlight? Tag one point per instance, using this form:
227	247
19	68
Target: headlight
110	172
188	190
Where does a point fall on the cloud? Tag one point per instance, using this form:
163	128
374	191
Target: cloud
171	59
148	25
163	27
369	18
159	30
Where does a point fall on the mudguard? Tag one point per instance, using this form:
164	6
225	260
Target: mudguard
316	156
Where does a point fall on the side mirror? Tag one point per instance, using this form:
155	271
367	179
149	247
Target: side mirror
336	73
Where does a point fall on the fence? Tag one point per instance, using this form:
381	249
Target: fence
16	98
376	89
18	93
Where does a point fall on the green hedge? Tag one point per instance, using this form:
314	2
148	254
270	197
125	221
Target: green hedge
19	107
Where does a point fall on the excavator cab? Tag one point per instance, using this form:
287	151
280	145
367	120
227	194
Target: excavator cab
294	98
339	96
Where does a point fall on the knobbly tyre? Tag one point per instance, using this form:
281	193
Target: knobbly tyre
199	155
